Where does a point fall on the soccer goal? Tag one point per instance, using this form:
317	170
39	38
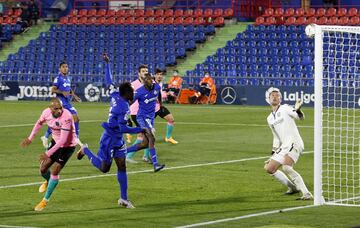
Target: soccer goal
337	114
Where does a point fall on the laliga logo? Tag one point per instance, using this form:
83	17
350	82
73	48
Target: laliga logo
92	93
306	97
228	95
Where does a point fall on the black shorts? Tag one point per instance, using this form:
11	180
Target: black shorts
163	111
133	118
62	155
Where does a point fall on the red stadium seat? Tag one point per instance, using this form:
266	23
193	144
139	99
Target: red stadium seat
130	20
299	12
311	20
17	13
320	12
228	13
92	13
199	21
219	22
101	13
73	20
121	13
110	13
149	13
159	21
289	12
354	21
189	21
139	13
342	12
73	13
169	13
130	13
290	21
149	20
332	21
91	21
198	13
110	21
279	12
159	13
120	21
352	12
268	12
188	13
100	21
179	21
208	13
259	21
270	21
310	12
322	20
300	21
9	13
218	13
169	21
83	12
331	12
83	20
343	21
63	20
178	13
139	21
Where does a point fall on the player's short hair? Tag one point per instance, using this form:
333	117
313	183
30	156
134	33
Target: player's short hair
62	63
55	100
268	93
158	71
141	67
125	88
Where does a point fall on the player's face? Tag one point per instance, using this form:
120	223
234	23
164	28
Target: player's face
148	81
275	98
159	77
142	73
56	109
64	69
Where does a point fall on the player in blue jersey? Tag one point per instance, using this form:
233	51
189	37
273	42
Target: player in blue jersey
62	88
147	96
112	145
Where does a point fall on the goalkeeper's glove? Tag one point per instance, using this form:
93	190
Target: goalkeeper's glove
298	105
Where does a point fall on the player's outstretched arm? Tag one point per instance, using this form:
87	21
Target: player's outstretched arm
298	106
108	75
26	142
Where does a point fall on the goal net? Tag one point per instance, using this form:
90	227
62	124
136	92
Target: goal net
337	115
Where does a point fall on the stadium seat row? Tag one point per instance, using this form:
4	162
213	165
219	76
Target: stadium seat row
309	20
311	12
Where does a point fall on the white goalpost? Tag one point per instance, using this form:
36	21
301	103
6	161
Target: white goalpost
337	114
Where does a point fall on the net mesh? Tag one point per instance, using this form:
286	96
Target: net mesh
341	117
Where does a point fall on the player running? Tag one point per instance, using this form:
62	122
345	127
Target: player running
287	143
62	88
63	143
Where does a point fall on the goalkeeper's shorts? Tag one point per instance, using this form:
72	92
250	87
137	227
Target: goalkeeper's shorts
293	152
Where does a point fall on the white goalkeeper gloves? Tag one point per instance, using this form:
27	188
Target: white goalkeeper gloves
298	105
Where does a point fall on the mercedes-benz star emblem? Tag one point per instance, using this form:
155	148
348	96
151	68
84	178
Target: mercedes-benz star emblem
228	95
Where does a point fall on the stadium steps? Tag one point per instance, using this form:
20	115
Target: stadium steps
222	35
23	39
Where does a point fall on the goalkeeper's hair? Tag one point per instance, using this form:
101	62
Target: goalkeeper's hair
125	88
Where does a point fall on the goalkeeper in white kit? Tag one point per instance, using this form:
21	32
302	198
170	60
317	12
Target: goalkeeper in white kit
287	143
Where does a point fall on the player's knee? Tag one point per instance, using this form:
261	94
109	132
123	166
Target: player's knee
43	170
270	169
105	168
287	169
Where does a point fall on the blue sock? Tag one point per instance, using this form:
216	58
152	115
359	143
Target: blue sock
95	160
46	175
51	187
153	156
48	133
123	182
169	129
77	129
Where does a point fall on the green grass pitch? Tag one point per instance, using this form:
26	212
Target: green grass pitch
215	172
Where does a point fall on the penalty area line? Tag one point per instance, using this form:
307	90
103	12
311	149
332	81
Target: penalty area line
9	226
245	216
146	171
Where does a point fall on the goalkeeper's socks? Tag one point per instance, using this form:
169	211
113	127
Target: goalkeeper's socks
46	175
95	160
123	182
282	178
169	129
296	178
54	180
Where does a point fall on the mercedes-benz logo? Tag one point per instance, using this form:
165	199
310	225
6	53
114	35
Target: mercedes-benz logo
228	95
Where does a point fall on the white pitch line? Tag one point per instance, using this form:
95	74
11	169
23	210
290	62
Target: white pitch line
16	226
145	171
181	123
245	216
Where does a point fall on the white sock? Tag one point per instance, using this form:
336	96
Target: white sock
296	178
282	178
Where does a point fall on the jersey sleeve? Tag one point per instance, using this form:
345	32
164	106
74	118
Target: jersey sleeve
291	112
57	82
37	126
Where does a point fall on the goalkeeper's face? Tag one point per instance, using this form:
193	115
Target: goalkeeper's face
275	98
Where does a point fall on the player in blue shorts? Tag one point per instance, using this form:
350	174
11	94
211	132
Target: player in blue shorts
147	96
112	145
62	88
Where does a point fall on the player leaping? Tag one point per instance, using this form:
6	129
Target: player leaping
287	143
